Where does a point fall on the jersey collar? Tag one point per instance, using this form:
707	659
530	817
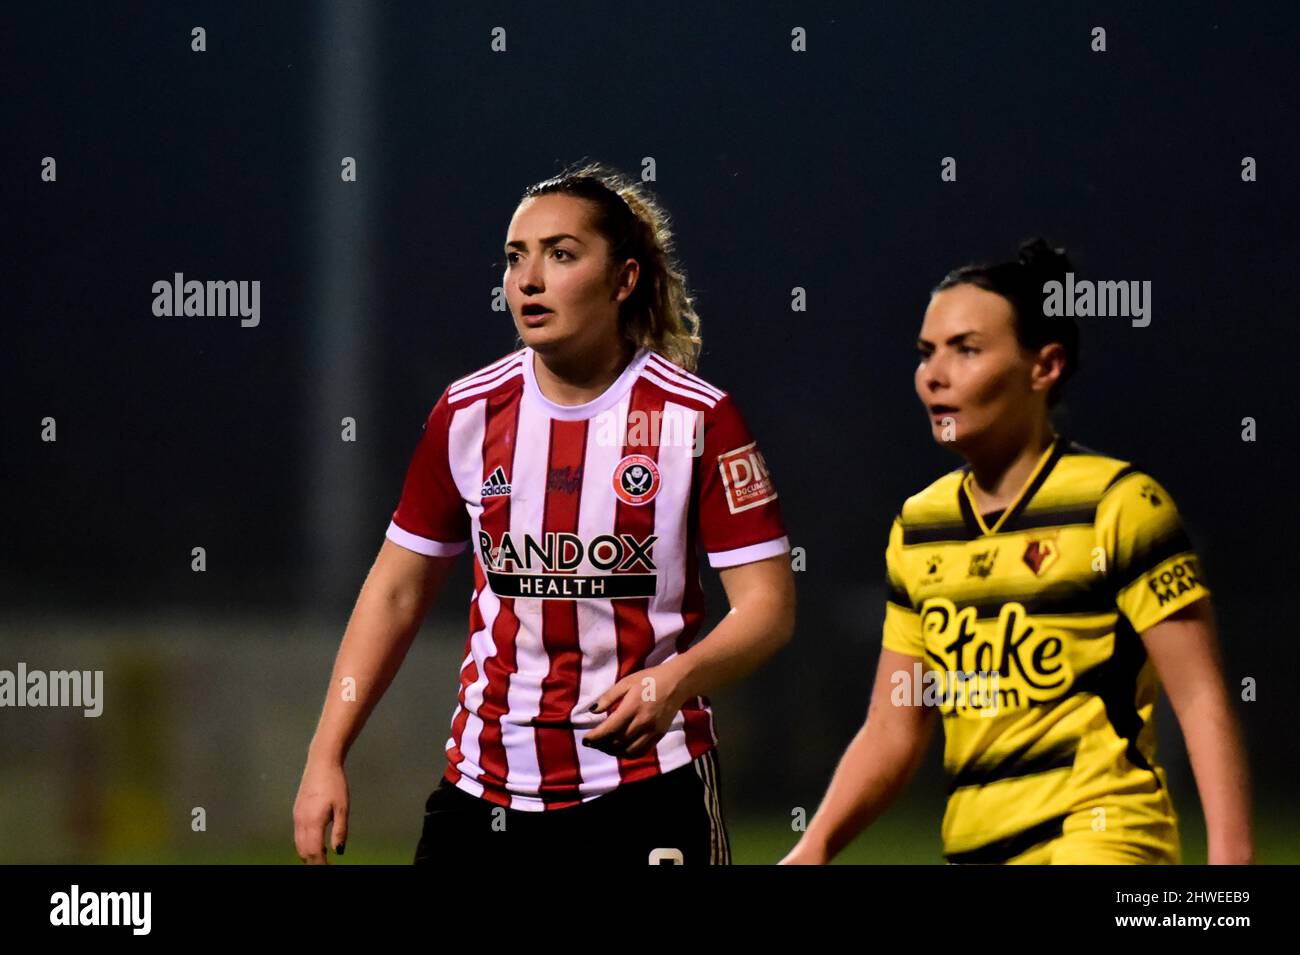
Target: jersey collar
607	399
966	500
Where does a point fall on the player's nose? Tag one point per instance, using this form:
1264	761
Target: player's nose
934	375
530	278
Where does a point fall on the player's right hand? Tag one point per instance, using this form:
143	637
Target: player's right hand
322	799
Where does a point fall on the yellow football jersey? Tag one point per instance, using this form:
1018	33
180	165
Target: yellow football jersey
1026	628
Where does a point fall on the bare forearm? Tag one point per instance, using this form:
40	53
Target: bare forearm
870	775
741	642
1217	755
375	643
1184	647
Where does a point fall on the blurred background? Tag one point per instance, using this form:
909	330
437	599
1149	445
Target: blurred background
816	169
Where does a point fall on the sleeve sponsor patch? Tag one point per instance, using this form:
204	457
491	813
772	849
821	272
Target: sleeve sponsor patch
746	478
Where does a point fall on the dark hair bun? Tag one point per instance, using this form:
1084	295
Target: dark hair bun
1044	261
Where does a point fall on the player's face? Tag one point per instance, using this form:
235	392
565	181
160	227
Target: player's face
975	379
562	290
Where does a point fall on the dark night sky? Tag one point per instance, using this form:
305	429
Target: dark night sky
818	170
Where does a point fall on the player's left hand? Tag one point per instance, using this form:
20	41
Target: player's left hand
641	707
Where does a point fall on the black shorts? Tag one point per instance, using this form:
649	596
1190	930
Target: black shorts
672	818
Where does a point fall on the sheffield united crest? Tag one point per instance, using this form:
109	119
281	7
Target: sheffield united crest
636	479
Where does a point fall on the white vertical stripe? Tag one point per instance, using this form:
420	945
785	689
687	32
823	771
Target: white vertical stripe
524	694
465	453
672	506
596	631
451	739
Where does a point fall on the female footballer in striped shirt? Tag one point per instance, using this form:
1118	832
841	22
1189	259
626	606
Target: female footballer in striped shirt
584	472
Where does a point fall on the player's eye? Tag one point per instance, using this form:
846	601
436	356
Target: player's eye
967	350
563	251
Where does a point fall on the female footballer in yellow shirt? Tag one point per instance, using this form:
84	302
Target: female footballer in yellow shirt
1038	598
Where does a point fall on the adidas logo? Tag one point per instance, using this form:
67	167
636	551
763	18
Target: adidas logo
496	485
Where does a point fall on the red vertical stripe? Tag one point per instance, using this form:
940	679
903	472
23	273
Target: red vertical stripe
499	436
697	720
467	677
557	752
632	616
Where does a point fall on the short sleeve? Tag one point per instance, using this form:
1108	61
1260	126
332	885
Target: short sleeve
430	518
739	516
1149	557
902	630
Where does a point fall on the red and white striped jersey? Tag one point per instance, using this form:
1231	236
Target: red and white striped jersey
584	522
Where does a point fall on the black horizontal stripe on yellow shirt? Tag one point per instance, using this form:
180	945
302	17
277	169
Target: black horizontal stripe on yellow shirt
1120	475
958	532
1003	849
1152	555
1014	765
897	595
1084	515
945	532
1114	681
1091	595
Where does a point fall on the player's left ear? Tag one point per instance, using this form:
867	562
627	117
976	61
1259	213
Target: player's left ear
1049	366
625	278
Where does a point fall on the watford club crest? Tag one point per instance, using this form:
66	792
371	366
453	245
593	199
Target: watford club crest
1041	554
